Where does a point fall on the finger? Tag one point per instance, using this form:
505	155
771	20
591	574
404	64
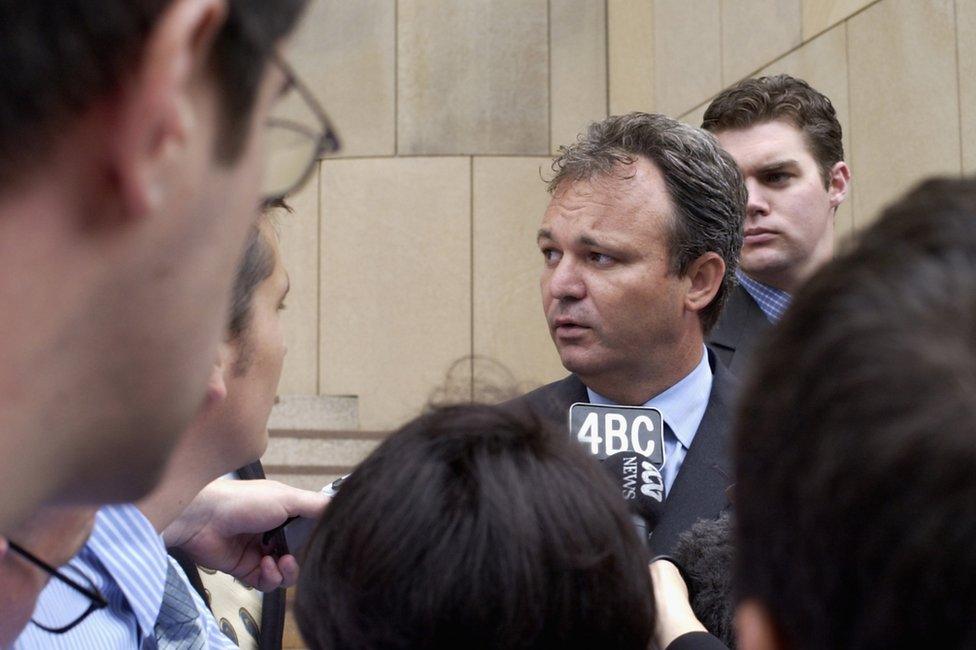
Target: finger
271	577
301	503
288	566
252	578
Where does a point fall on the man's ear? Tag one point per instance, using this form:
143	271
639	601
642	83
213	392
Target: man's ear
217	384
839	183
706	274
754	628
154	112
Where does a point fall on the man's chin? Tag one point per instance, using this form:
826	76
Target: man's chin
763	267
579	361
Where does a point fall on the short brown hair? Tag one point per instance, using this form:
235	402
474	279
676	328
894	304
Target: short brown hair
703	181
781	97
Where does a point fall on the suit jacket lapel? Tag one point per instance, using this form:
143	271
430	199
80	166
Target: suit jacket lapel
699	490
738	329
551	403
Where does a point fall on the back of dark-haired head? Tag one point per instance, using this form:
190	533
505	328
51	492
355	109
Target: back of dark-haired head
781	97
856	444
58	57
705	552
472	527
705	185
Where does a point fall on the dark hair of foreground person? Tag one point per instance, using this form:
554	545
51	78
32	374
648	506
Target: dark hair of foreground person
475	528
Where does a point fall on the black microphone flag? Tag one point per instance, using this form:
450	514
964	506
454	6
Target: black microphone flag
629	440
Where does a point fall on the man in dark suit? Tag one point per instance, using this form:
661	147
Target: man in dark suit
786	139
640	242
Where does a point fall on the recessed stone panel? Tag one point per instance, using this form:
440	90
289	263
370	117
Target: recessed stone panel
755	32
966	22
903	99
314	413
396	281
473	77
687	54
509	327
819	15
630	48
309	452
578	67
345	52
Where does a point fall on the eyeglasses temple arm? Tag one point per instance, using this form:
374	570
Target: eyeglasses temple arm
96	598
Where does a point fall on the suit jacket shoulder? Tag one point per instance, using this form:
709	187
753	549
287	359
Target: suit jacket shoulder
738	331
551	402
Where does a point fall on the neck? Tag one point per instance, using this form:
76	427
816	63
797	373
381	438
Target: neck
189	470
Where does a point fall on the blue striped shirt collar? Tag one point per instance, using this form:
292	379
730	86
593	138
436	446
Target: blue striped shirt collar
772	301
126	543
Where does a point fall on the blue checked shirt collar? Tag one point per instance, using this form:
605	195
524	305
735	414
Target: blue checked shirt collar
772	301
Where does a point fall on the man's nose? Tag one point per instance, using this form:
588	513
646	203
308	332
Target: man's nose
757	205
565	280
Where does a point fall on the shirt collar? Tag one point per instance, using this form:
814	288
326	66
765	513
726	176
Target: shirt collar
127	544
772	301
682	405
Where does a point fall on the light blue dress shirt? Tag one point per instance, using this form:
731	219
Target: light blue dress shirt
682	406
126	560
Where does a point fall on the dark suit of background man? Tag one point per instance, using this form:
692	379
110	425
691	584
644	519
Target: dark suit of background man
639	244
786	139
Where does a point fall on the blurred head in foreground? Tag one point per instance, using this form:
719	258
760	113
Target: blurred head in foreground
473	528
856	445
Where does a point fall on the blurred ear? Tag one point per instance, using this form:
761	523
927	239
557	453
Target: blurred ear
154	116
217	385
839	183
754	628
706	274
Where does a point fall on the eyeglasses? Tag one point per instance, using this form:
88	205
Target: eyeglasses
299	134
90	592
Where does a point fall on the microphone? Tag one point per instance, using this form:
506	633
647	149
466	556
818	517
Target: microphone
629	441
298	530
641	486
706	553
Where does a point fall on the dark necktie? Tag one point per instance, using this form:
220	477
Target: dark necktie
178	626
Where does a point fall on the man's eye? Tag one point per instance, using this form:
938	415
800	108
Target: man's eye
777	178
601	259
551	255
